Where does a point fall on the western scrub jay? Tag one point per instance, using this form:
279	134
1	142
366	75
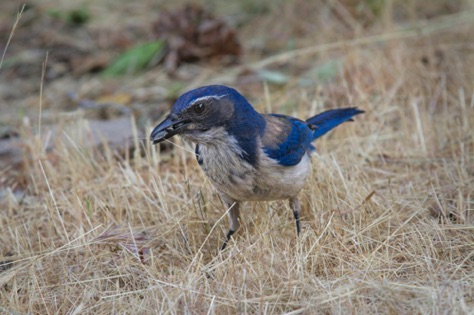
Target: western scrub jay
248	156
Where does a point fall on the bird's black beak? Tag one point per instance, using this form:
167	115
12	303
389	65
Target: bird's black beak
168	128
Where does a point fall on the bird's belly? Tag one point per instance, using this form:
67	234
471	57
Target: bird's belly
275	181
241	181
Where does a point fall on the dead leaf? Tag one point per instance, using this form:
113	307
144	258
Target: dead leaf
193	33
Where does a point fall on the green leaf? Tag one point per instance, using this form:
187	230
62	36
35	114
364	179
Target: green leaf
55	13
136	58
328	71
78	17
75	17
322	74
273	77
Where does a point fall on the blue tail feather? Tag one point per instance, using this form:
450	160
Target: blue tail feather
331	119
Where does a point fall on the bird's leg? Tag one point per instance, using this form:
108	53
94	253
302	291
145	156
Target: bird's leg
295	205
227	239
234	215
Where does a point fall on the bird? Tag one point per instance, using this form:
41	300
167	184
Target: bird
248	156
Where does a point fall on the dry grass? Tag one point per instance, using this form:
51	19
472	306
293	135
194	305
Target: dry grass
388	221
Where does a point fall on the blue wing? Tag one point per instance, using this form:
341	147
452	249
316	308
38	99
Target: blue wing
286	139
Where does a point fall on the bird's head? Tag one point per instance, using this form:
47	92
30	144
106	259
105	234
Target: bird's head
200	110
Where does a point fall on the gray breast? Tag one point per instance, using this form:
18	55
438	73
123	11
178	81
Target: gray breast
228	171
221	158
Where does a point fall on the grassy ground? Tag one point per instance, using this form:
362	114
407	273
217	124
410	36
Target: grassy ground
387	220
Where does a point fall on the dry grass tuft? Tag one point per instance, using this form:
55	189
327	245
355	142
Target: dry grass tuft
387	221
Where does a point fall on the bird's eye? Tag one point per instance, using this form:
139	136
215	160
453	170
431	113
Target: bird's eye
199	108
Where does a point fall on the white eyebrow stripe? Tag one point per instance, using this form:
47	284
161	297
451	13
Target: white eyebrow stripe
202	98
